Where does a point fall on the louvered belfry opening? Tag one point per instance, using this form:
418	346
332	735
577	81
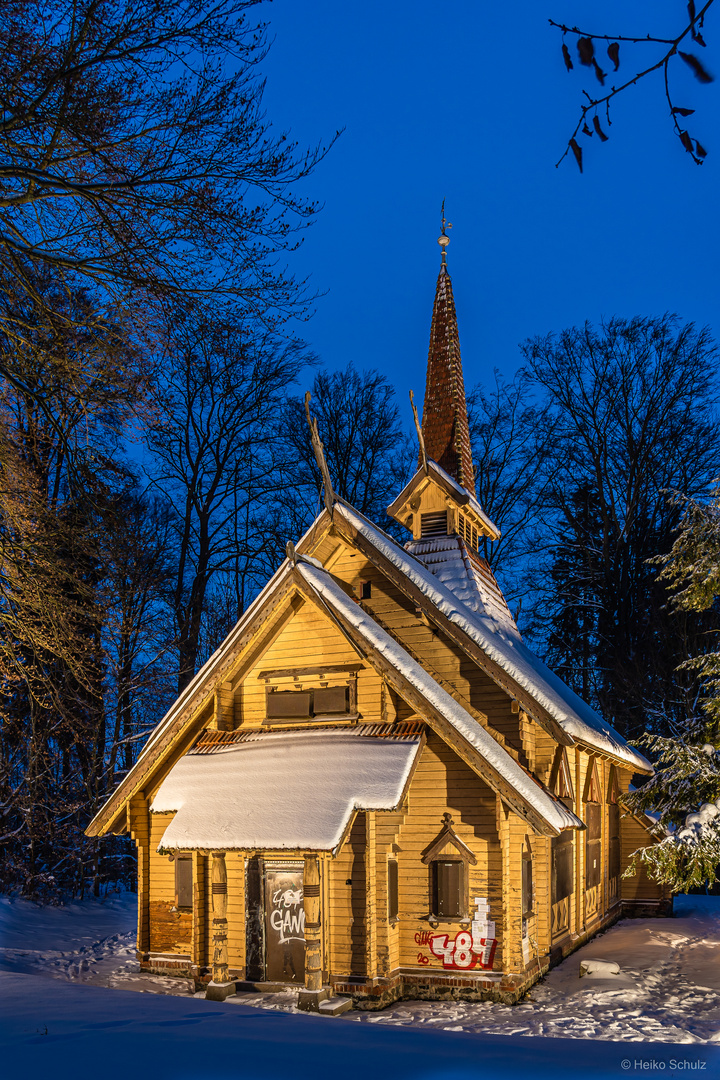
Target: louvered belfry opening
434	524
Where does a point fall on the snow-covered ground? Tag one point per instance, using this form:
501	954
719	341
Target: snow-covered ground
667	996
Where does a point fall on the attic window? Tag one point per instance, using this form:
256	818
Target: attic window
312	702
331	699
434	524
365	590
288	704
468	532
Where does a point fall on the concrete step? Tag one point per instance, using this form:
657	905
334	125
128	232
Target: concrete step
335	1006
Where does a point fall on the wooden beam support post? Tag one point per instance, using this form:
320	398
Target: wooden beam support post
138	819
221	986
309	999
197	954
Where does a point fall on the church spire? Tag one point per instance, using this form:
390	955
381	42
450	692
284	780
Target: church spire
445	424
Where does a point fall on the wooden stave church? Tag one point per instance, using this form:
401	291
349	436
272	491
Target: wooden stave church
373	788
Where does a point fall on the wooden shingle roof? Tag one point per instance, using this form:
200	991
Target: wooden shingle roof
445	423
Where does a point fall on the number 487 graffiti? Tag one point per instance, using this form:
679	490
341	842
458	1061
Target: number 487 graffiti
458	952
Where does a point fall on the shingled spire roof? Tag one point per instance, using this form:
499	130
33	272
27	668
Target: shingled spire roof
445	423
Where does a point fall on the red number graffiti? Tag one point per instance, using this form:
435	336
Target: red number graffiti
421	958
459	954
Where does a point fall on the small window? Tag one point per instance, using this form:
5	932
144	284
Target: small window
282	704
184	881
527	886
392	890
448	888
365	590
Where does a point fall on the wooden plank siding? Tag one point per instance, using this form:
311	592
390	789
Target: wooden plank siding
443	783
309	639
633	835
347	903
139	829
360	943
171	930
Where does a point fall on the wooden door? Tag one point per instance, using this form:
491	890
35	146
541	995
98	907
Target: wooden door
284	923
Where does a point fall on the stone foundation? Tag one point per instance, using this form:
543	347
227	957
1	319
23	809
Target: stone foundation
426	984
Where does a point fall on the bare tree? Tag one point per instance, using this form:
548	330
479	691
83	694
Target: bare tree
53	736
137	554
631	405
369	455
511	447
213	448
135	155
594	118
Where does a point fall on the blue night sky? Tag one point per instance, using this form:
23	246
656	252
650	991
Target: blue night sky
471	101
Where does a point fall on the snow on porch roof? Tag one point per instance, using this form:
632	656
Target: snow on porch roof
290	790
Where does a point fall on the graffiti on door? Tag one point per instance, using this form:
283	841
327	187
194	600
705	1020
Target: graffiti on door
287	916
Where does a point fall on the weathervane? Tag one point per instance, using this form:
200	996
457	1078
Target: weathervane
443	238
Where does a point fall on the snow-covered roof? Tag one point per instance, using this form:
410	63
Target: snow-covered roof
530	791
505	648
467	576
463	496
289	790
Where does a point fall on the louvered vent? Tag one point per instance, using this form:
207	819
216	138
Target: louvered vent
468	532
434	524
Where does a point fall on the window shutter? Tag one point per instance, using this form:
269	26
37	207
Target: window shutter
593	863
593	821
331	699
527	887
184	881
562	867
392	889
448	889
282	704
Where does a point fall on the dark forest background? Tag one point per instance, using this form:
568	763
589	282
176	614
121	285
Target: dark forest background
154	452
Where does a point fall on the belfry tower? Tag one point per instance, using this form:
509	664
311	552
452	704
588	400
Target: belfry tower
439	504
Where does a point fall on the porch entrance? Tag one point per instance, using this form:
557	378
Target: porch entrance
284	923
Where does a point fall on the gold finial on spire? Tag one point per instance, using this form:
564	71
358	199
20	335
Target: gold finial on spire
443	238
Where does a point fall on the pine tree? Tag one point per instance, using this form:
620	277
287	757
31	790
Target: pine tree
687	776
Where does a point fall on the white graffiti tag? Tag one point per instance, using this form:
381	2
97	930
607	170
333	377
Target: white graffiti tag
287	917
